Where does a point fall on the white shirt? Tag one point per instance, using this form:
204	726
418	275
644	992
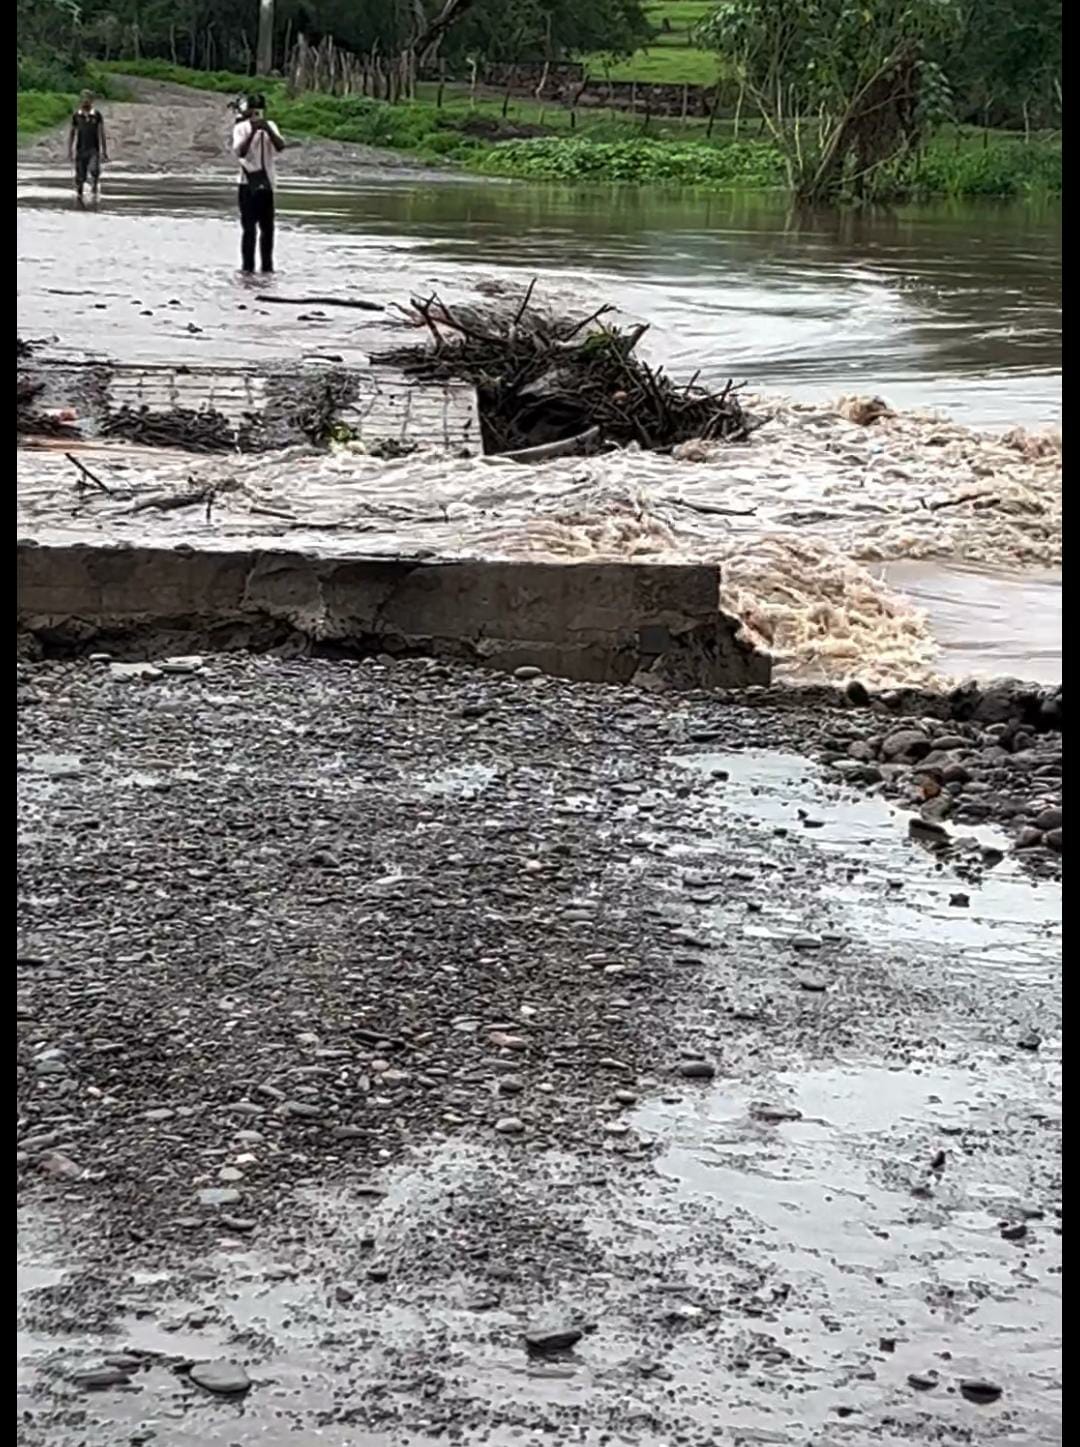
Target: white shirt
260	156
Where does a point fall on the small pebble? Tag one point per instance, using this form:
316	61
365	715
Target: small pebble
510	1125
696	1069
976	1389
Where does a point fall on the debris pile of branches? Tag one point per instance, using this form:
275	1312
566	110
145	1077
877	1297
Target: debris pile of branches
550	385
194	431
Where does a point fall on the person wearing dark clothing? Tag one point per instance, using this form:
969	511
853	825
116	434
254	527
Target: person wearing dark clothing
86	146
256	141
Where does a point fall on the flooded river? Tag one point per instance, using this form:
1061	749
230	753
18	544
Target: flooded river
956	306
953	307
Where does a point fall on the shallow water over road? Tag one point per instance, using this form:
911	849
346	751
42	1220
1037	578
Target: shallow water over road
957	307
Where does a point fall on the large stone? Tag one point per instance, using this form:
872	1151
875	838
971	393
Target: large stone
1048	819
552	1338
227	1379
905	744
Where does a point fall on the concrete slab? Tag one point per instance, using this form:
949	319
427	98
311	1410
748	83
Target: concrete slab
118	542
602	621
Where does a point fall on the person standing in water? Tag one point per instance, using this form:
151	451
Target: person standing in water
256	141
86	146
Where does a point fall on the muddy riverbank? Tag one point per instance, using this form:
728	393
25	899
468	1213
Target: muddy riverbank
374	1016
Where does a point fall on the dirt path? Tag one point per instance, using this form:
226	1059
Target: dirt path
173	128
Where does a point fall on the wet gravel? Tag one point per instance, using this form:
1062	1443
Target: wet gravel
398	1046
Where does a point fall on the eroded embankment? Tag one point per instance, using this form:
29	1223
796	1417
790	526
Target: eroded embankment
802	519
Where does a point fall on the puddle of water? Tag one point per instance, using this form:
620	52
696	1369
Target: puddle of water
1011	923
827	1200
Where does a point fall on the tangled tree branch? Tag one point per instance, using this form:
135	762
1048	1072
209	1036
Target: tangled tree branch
542	378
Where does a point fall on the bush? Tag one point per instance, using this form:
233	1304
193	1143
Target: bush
1001	168
358	119
688	163
38	111
52	74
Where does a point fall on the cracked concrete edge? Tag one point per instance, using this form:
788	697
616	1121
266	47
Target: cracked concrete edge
602	621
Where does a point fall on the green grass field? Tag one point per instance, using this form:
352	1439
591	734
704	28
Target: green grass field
672	58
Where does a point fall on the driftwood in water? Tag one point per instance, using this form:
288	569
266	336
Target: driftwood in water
567	447
542	378
86	475
363	306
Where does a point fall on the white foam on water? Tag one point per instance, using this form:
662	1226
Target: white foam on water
801	518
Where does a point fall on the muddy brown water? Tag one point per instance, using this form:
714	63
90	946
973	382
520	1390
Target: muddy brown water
956	307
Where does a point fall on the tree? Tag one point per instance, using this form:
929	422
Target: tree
844	87
430	29
523	30
264	45
1005	63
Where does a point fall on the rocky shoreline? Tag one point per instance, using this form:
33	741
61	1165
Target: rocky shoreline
380	1023
976	754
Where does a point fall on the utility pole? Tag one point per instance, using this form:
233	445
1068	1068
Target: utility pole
264	46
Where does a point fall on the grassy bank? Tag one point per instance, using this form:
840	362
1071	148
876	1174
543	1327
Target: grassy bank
48	93
731	166
535	142
672	58
1004	168
41	110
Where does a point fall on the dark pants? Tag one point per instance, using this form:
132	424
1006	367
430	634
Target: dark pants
87	168
256	215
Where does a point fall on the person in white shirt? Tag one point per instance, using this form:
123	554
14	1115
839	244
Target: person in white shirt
256	141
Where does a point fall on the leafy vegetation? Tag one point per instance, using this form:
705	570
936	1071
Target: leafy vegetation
849	95
667	163
846	88
215	34
41	111
1004	64
225	82
1004	168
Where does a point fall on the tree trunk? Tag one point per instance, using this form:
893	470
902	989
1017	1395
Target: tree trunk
426	42
264	46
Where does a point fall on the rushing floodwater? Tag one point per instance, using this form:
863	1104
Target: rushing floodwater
956	307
